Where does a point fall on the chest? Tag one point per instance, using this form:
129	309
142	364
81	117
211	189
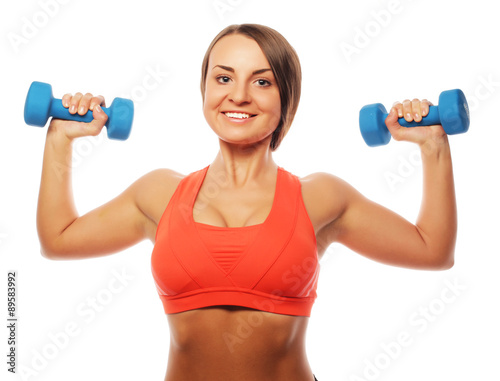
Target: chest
217	206
232	208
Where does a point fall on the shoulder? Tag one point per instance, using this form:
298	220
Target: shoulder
158	180
325	196
323	183
153	191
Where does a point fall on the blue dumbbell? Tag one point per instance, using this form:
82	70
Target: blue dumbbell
40	105
452	113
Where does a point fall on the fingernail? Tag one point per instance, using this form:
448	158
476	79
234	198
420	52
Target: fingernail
72	109
81	111
408	116
98	108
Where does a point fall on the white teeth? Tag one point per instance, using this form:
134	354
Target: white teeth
237	115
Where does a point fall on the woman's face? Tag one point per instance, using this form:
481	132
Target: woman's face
242	102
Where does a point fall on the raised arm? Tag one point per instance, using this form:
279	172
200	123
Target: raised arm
62	232
382	235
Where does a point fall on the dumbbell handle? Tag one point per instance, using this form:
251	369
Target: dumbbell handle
430	119
58	111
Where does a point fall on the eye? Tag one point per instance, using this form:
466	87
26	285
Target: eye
223	79
263	82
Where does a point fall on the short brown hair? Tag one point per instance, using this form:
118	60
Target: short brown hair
284	63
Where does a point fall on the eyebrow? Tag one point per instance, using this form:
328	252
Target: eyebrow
228	68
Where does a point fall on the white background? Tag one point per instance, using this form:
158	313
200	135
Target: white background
400	49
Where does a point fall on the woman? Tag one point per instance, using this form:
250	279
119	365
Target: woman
237	243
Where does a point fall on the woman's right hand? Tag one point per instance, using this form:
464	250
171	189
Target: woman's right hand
80	104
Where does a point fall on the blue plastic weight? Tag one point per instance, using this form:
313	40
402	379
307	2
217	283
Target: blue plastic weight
41	105
452	113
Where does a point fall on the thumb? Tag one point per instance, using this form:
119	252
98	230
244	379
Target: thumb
393	125
100	119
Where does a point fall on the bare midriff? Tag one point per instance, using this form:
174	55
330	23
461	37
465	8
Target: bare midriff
236	343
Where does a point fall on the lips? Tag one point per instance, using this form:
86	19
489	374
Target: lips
238	114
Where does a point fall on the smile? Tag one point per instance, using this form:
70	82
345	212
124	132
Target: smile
238	115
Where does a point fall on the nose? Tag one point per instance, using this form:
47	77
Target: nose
240	93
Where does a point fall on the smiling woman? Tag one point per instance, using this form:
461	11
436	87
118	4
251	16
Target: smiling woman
283	66
237	244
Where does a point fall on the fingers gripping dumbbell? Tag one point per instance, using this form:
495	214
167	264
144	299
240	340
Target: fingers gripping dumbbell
40	105
452	113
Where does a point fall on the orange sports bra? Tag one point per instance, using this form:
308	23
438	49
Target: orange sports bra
272	266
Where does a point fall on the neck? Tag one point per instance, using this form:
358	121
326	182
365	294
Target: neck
243	164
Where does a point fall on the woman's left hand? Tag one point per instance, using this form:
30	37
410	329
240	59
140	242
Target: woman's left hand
414	110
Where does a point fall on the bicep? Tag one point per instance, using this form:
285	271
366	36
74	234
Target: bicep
380	234
112	227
